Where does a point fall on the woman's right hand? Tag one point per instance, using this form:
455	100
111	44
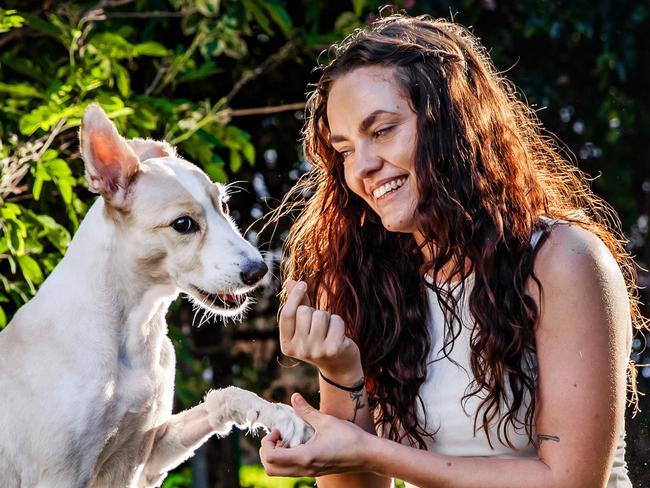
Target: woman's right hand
317	337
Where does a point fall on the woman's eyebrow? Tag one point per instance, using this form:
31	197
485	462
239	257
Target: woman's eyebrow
364	125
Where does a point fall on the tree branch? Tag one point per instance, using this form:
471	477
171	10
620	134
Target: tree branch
267	110
277	58
143	15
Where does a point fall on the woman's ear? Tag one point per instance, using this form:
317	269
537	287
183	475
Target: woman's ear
111	165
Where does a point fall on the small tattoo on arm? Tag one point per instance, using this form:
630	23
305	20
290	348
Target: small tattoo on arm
358	405
546	437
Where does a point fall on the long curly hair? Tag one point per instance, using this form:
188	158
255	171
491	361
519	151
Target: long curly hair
486	174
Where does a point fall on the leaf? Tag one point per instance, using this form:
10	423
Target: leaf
49	155
249	153
346	22
258	13
57	168
151	48
10	211
16	241
45	117
47	222
235	160
206	69
20	90
65	187
208	7
279	16
122	80
37	23
30	269
3	319
358	7
37	187
9	19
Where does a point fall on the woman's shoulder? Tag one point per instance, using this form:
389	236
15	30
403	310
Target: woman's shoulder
568	249
576	269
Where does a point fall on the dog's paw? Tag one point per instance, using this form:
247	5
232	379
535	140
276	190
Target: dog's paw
293	429
245	409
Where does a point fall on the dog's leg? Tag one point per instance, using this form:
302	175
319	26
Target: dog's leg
176	439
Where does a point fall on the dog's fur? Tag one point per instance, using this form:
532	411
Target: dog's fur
86	367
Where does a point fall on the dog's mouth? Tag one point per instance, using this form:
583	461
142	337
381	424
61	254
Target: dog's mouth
229	303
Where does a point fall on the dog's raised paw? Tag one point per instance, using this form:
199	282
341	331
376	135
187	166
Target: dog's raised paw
293	429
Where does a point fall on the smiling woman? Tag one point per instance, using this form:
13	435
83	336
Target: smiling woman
365	141
473	303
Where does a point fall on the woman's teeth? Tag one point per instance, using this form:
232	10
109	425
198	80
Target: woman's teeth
388	187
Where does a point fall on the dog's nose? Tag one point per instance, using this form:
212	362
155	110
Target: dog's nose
253	271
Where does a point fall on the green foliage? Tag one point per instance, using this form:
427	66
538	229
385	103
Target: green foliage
76	56
9	19
180	479
253	476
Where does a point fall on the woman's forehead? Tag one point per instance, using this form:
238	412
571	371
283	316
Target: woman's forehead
364	91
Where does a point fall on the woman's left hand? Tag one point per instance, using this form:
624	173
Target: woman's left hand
336	446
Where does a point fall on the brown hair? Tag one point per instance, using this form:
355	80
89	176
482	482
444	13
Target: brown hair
486	175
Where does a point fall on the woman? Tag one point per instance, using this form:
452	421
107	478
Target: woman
473	306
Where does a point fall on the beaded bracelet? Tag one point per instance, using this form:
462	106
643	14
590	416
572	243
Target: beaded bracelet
354	388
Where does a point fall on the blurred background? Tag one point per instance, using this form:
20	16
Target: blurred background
225	81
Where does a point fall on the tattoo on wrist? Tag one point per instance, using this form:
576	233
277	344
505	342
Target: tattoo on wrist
356	396
546	437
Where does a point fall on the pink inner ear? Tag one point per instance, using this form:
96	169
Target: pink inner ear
106	154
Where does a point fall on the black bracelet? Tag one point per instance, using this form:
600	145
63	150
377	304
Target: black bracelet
352	389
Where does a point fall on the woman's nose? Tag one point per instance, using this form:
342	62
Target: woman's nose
367	162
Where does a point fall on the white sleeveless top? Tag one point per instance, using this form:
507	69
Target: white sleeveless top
451	421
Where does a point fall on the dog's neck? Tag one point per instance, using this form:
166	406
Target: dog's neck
95	275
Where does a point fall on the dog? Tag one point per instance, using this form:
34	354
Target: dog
86	367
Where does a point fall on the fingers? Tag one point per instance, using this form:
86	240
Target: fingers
335	331
295	299
320	324
277	461
303	322
314	336
304	410
270	440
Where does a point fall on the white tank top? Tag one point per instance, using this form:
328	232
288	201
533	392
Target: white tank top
451	421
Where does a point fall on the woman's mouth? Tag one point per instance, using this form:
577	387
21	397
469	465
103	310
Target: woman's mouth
388	188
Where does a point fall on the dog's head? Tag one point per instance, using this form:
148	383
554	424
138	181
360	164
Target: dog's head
172	220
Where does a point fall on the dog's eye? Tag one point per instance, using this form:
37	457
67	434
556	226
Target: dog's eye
224	206
185	225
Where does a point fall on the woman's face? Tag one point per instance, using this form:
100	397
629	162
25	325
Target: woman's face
374	128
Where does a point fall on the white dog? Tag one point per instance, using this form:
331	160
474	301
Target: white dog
86	367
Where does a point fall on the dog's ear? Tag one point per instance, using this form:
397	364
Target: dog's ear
110	163
148	148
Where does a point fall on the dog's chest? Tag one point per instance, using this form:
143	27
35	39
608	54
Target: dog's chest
143	400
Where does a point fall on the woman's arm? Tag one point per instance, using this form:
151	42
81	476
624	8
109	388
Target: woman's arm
319	338
583	337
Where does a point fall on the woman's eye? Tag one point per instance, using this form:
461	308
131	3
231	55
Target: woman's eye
344	154
185	225
381	132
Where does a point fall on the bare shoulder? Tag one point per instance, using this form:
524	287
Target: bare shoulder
579	273
572	254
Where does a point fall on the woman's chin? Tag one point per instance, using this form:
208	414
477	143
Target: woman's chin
399	225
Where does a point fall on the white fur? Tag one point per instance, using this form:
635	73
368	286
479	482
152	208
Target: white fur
86	367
